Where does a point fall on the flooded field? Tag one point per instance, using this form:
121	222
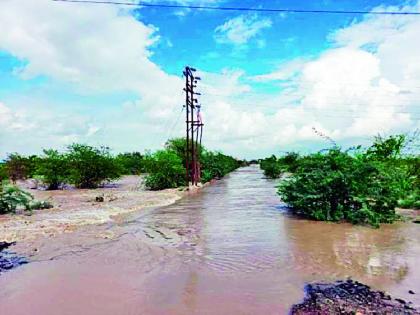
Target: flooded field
229	249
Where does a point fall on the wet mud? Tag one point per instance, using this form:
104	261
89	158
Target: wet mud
348	298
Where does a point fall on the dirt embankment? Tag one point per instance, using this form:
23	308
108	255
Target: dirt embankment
80	207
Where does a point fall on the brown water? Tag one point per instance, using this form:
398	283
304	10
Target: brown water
230	249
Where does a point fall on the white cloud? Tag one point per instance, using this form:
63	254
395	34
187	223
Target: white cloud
28	130
241	29
99	48
368	82
285	72
93	49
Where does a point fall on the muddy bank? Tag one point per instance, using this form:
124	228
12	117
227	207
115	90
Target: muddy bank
74	208
349	297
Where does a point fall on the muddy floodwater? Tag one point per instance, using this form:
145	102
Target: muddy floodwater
229	249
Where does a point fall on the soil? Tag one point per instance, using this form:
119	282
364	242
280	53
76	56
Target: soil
349	297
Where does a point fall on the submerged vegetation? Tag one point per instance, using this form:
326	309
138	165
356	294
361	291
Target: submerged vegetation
85	166
166	168
356	185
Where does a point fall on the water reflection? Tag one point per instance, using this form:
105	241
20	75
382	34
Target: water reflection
341	250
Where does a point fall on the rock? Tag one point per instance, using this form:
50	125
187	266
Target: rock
4	245
99	199
9	260
411	292
349	297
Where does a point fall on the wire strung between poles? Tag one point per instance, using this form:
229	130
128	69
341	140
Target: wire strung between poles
268	10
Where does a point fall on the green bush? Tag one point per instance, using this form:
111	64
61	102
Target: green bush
178	146
213	165
54	168
337	186
3	172
131	163
39	205
410	184
411	201
90	167
17	167
165	171
290	161
386	148
271	167
13	198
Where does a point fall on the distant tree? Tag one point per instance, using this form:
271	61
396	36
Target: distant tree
387	148
90	167
178	146
3	172
131	163
17	167
271	167
54	167
290	161
165	170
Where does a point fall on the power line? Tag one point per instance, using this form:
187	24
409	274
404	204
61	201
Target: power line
249	9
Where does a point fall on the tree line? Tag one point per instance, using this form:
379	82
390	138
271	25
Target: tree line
88	167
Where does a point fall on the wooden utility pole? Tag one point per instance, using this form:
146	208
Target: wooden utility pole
194	127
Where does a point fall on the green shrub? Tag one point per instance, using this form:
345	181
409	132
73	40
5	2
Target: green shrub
40	205
337	186
131	163
178	146
386	148
13	198
215	165
90	167
290	161
271	167
165	171
3	172
17	167
411	201
54	169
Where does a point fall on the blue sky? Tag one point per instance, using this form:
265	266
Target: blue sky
292	35
110	75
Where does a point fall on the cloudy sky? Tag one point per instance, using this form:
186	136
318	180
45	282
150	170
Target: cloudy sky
111	75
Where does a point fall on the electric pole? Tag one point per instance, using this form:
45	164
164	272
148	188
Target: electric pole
194	127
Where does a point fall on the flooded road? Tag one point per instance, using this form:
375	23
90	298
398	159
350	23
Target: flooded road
229	249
